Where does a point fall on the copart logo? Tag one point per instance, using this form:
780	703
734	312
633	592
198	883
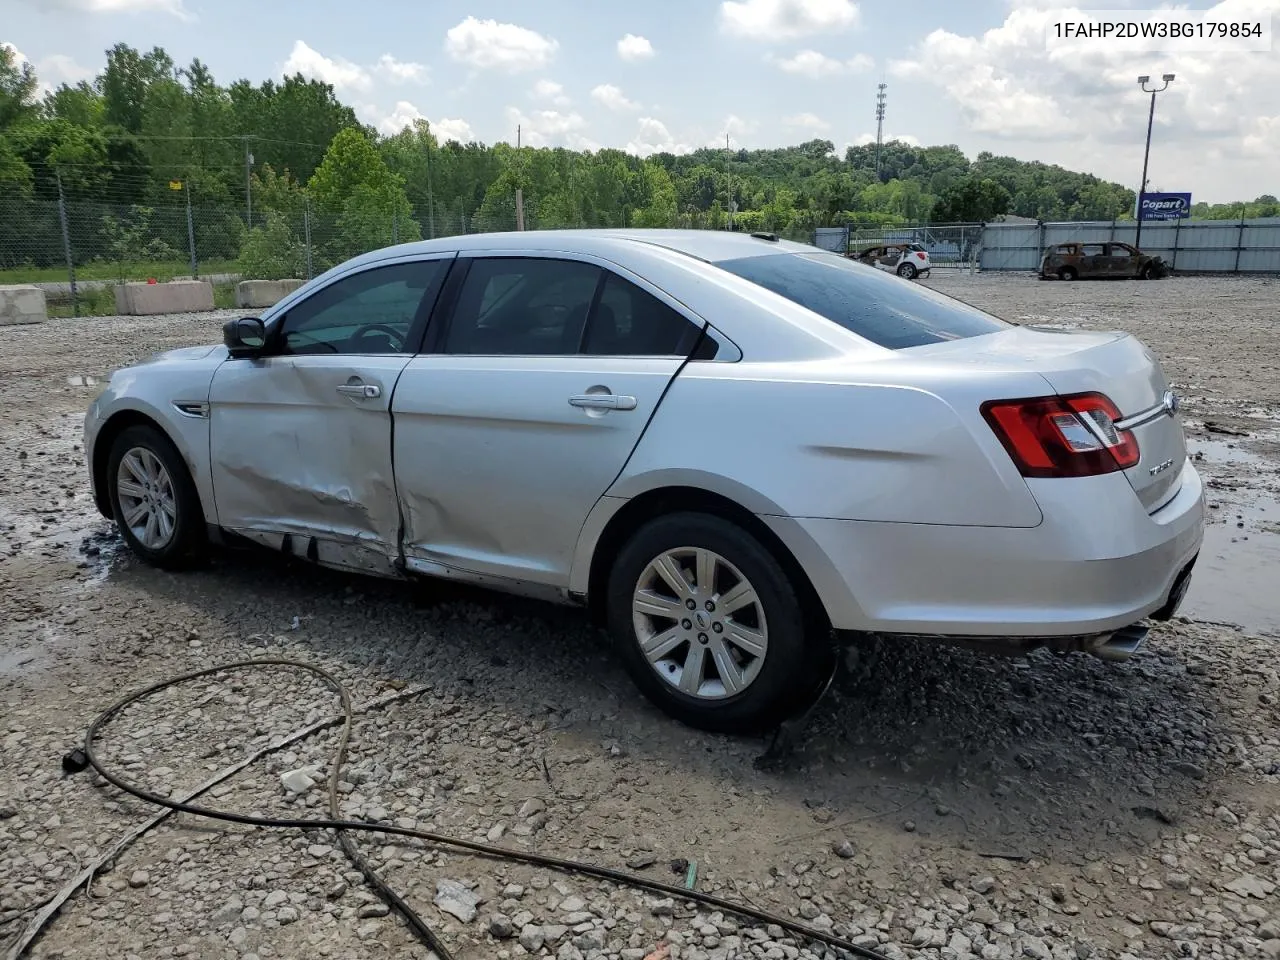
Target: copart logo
1167	203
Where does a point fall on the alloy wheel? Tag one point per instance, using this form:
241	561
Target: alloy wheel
700	623
148	504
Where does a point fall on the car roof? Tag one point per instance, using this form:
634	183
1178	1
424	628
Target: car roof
708	245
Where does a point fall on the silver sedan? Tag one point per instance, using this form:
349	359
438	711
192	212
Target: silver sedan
732	449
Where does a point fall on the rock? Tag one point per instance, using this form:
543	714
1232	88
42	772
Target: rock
499	925
336	891
664	908
275	898
1034	947
286	915
456	899
531	937
139	878
552	932
298	781
1269	930
496	832
1271	949
983	885
1192	770
319	850
370	911
1226	816
531	807
844	849
1178	881
643	861
1250	886
572	905
512	891
809	909
228	911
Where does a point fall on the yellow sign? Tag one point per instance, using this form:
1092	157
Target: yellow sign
175	184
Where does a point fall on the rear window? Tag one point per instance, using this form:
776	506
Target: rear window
879	306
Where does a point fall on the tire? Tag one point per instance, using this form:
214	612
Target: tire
1067	273
773	684
143	453
907	271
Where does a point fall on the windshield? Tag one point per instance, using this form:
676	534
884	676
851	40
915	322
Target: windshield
885	309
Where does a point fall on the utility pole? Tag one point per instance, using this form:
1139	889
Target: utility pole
519	191
1146	155
880	99
728	180
431	200
191	234
248	185
66	246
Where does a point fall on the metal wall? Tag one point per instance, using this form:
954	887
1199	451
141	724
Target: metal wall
1211	246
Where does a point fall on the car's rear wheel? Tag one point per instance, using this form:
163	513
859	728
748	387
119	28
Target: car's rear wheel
1067	273
709	625
153	499
907	271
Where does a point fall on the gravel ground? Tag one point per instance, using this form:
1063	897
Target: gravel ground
946	805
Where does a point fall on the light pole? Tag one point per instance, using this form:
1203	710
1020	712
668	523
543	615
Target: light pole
1151	116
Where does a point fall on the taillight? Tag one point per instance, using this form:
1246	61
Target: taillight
1073	436
920	254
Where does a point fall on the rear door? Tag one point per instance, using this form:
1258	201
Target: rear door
1094	260
524	408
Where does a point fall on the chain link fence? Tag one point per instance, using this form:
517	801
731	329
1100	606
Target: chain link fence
77	250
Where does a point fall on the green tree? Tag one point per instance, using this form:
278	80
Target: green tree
972	200
17	90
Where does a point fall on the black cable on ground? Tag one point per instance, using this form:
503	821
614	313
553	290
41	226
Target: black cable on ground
343	827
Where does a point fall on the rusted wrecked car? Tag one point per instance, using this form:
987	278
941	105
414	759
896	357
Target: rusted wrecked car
1096	261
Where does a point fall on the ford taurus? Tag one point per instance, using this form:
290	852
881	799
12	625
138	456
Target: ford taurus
732	449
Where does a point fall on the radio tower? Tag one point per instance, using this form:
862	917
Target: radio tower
880	97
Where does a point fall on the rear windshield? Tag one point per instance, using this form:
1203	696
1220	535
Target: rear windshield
883	308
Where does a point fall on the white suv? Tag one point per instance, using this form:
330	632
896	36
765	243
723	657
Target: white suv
908	260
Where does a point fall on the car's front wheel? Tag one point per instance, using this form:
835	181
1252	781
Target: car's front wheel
153	499
709	625
1067	273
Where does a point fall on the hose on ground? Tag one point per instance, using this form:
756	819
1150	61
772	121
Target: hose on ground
344	828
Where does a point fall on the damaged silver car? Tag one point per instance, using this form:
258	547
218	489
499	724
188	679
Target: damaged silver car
729	447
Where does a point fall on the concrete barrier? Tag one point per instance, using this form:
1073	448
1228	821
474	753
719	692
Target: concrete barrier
258	294
176	296
22	303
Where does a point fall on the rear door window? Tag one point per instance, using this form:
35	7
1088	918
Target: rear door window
871	303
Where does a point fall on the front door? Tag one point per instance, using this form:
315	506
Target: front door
538	391
1094	261
301	437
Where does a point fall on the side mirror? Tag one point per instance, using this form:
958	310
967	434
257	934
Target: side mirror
244	336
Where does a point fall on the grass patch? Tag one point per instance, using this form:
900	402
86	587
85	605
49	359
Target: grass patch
113	270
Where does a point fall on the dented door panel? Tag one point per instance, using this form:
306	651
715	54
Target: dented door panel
301	456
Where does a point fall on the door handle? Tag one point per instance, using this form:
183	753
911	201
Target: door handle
360	391
603	401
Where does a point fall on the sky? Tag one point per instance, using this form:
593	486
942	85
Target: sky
676	75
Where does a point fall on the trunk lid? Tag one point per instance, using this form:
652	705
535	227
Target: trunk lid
1114	364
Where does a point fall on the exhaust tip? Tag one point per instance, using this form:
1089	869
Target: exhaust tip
1122	644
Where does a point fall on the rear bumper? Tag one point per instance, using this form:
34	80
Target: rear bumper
1098	562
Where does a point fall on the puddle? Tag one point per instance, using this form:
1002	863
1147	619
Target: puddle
1235	577
1223	451
83	381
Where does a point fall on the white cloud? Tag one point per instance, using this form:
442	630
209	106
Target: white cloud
786	19
551	92
863	139
340	73
815	65
175	8
652	137
614	99
406	114
399	71
447	128
633	48
807	121
52	71
550	128
488	44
